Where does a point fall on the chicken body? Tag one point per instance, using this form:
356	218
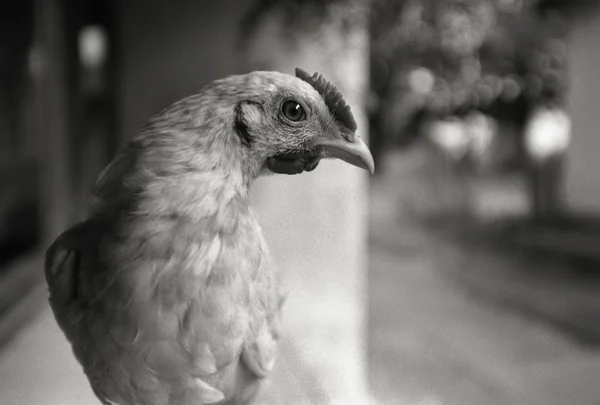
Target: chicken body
167	292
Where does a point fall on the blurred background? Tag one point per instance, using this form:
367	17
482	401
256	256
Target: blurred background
464	272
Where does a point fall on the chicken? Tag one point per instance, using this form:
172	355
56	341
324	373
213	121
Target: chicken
167	292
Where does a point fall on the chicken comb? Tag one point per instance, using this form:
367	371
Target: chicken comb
331	95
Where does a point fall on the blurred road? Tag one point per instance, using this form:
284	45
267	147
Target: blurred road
431	343
434	340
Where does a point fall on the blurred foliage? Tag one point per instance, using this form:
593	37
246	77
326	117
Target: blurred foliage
445	58
299	17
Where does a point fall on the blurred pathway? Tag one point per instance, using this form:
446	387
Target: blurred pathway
433	343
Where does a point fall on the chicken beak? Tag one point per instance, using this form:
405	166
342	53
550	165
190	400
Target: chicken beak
354	152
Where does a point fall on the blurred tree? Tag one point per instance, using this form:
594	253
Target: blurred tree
436	58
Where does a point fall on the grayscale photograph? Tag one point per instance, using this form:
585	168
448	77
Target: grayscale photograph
299	202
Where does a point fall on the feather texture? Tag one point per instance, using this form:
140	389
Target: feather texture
161	291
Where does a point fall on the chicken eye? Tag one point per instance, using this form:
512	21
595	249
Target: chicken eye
293	111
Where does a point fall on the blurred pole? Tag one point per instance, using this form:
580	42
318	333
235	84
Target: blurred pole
95	135
316	223
53	118
537	191
546	185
